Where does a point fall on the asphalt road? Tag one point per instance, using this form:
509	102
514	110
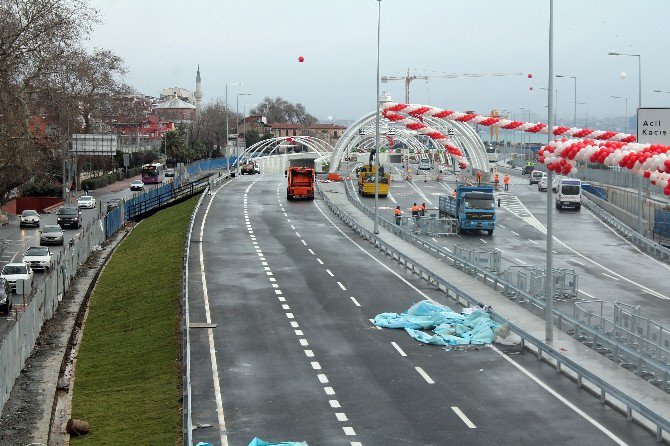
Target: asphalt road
290	352
609	267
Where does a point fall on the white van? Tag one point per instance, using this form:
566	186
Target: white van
536	176
569	193
424	164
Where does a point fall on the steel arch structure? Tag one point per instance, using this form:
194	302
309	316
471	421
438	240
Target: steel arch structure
322	148
464	137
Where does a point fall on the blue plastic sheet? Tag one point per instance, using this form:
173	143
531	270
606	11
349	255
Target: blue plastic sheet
448	327
258	442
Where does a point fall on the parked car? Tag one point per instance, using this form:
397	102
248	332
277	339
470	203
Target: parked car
39	258
29	217
113	203
137	185
51	235
69	215
169	172
12	272
86	201
5	298
535	176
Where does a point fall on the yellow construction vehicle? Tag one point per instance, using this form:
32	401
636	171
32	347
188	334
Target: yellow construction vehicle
366	179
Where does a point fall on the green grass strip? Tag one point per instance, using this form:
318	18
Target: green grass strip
127	382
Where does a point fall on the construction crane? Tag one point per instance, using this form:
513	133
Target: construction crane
409	78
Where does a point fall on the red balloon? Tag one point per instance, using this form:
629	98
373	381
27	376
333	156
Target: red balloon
530	75
647	174
301	59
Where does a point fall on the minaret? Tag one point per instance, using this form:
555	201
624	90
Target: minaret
198	91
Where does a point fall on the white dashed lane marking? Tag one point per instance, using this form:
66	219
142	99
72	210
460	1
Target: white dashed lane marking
425	376
462	416
397	347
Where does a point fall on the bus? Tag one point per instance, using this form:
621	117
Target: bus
153	173
492	154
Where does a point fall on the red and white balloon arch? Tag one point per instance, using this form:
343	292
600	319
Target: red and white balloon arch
609	148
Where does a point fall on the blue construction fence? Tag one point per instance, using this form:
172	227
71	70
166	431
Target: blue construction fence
118	216
597	191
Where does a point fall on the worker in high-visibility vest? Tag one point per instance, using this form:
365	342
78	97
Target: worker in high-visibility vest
495	181
415	211
478	176
398	215
506	181
422	209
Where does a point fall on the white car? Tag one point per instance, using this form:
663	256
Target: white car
29	217
137	185
12	272
39	258
86	201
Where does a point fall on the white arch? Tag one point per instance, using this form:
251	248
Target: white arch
322	148
464	137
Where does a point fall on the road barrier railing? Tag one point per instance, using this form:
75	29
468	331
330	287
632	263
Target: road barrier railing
587	335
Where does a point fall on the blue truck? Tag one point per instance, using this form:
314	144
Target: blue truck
472	206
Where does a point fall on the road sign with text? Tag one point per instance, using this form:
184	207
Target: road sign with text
653	126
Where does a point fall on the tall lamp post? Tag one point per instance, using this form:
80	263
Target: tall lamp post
227	130
574	119
625	115
555	100
379	24
237	131
639	105
549	273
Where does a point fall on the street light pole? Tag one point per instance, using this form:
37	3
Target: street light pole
379	22
586	123
549	274
574	118
639	105
227	130
237	131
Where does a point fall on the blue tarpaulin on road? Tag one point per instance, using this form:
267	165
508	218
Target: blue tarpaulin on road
258	442
448	327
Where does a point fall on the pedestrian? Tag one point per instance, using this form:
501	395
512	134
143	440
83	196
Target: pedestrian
398	215
422	209
415	211
495	181
506	181
85	190
478	176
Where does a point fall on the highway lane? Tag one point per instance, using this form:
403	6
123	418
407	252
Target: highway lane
294	355
609	267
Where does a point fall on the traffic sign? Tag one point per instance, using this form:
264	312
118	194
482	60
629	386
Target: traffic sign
653	126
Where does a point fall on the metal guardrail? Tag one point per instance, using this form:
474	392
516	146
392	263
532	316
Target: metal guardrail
578	329
626	231
489	260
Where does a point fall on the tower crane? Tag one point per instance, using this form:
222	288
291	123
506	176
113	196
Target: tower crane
409	78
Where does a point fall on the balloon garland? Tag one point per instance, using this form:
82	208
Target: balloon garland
418	111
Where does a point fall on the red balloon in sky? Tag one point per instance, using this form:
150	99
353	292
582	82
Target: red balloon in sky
530	75
301	59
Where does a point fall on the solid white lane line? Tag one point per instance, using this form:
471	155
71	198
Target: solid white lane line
411	183
391	198
611	277
561	398
421	293
341	286
334	404
323	379
320	261
462	416
397	347
330	273
311	252
425	376
515	233
341	416
355	301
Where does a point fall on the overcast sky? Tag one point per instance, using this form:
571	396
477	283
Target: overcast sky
258	42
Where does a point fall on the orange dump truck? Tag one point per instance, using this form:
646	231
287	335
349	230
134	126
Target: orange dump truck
300	183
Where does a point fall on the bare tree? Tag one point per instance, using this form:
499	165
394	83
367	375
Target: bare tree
279	110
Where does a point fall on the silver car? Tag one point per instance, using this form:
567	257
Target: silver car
51	235
39	258
29	217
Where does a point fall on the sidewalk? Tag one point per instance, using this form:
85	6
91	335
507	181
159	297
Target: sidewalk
647	394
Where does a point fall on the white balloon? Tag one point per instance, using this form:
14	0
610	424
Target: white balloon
664	183
623	75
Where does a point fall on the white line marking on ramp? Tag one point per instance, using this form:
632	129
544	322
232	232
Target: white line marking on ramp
355	301
397	347
462	416
425	376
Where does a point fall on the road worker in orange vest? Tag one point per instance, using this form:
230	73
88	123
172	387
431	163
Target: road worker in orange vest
496	181
422	209
398	215
415	211
478	176
506	181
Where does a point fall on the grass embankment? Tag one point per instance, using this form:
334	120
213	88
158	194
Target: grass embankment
128	368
